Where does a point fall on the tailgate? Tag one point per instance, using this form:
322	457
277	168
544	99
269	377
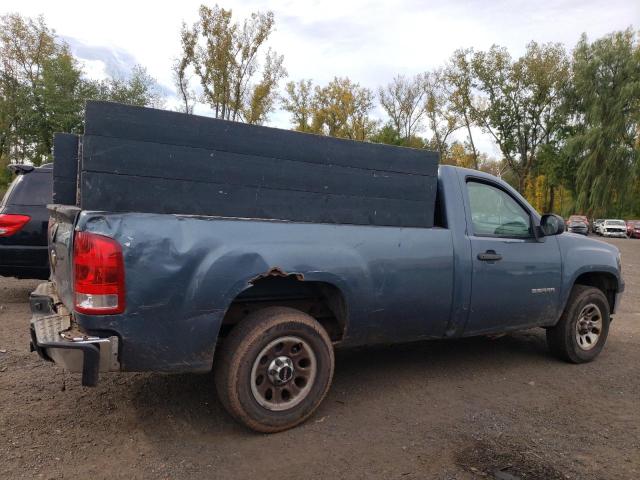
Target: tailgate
62	220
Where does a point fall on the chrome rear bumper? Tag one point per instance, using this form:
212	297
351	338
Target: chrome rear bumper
56	338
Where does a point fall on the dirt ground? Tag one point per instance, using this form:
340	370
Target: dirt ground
465	409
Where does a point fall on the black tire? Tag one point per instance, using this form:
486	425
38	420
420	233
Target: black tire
565	340
241	360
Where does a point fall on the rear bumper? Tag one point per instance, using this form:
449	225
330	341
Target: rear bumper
57	338
24	261
24	272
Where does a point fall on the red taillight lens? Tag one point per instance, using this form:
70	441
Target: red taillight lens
11	224
98	274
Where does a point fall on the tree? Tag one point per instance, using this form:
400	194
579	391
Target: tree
299	103
458	75
404	102
441	117
604	101
341	108
181	77
460	156
139	88
518	102
225	57
39	86
388	134
42	89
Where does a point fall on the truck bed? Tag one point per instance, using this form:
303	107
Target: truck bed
183	273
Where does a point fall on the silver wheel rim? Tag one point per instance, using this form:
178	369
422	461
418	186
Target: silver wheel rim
283	373
589	327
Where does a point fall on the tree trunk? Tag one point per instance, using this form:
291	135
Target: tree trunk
522	183
473	146
552	198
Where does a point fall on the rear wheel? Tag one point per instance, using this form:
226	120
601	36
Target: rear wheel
274	369
580	334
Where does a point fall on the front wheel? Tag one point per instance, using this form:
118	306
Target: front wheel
580	334
274	369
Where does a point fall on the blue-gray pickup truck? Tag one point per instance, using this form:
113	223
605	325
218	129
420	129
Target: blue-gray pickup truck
263	303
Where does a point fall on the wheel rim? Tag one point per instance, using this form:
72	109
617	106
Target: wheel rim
589	327
283	373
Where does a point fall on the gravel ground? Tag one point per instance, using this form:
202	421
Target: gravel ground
464	409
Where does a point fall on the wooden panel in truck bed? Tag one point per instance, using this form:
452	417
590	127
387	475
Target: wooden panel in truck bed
147	160
65	168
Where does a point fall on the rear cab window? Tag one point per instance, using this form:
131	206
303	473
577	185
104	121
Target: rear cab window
30	189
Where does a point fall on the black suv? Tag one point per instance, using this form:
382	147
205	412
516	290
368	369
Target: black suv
23	223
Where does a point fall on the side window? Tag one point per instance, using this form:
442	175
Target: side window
495	213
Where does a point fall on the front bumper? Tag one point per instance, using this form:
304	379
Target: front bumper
56	338
619	234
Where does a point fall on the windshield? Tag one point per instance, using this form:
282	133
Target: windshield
617	223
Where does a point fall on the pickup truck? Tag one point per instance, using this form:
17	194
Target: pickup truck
264	302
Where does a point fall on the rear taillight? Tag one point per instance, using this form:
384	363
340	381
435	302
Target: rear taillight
98	274
11	224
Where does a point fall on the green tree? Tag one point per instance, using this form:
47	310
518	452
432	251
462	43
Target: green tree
299	103
388	134
42	90
139	88
39	85
224	56
518	102
404	101
604	101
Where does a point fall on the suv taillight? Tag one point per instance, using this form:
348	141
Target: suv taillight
98	274
10	224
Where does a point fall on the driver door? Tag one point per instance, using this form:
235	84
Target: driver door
515	278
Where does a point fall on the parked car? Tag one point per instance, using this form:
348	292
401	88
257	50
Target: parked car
614	228
23	223
264	302
578	226
597	225
578	218
633	229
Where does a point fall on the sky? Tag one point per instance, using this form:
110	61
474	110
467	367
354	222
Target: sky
369	42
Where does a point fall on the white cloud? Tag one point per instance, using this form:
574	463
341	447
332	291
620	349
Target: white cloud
367	41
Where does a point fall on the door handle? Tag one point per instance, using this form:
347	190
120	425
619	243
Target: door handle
489	256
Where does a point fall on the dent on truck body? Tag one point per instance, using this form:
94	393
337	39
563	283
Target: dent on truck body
184	274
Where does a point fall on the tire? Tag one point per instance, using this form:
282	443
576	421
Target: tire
573	338
245	365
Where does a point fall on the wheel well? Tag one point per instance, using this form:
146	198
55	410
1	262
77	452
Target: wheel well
606	282
321	300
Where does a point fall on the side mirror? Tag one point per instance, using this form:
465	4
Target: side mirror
552	224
